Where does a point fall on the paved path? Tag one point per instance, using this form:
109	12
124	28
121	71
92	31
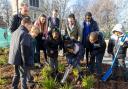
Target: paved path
108	60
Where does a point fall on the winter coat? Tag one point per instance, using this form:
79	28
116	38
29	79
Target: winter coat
21	49
52	46
98	47
93	27
15	22
113	44
115	40
73	33
73	58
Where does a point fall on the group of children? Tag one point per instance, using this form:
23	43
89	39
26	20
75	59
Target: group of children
24	52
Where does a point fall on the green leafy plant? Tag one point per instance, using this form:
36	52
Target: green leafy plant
3	81
75	72
3	59
88	82
67	86
4	51
49	83
61	67
45	72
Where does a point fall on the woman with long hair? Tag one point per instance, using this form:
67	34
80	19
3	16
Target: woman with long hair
41	23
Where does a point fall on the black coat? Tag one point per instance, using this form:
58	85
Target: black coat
15	22
52	46
98	47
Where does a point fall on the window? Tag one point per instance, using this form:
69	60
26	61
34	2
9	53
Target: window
34	3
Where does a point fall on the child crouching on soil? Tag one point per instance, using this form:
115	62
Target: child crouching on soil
96	45
53	44
115	39
74	52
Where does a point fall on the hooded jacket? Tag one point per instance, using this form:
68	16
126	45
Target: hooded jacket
114	41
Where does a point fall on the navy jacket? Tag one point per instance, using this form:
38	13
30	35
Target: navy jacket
53	25
21	48
93	27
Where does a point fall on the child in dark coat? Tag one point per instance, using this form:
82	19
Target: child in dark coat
53	44
21	53
114	41
74	52
96	45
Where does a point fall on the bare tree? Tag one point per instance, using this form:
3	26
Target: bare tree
104	12
5	10
60	5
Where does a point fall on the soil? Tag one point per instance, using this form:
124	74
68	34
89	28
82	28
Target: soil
6	72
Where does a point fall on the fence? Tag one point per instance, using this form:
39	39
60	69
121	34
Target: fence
5	36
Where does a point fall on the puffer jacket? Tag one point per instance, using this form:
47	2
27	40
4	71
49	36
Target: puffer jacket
113	44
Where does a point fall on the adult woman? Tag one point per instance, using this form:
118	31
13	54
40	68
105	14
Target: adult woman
42	24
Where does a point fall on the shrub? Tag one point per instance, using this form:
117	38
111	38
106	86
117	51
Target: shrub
88	82
61	67
3	81
49	83
75	72
3	59
67	86
45	72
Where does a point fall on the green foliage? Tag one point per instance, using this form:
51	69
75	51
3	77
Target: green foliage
61	67
75	72
3	59
45	72
88	82
49	83
4	51
3	56
67	86
3	81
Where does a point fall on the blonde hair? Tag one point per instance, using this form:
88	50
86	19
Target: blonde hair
35	29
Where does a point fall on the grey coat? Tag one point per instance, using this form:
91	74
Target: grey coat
21	50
